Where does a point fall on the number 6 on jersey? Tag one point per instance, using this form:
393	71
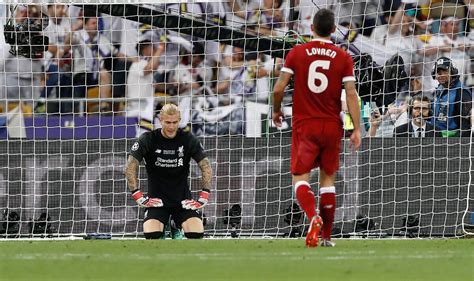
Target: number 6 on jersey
314	75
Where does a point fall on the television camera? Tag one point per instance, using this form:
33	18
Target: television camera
26	38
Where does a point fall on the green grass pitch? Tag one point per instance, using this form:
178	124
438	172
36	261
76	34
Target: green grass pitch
226	259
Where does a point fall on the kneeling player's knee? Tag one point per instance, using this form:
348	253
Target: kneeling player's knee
194	235
153	235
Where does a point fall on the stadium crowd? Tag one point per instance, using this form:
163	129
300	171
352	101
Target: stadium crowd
128	68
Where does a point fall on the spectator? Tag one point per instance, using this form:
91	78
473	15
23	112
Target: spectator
452	107
306	9
419	113
220	111
140	89
134	32
240	12
230	85
261	68
349	13
395	114
57	60
190	77
371	10
170	59
449	43
89	51
270	18
216	12
76	16
415	85
399	37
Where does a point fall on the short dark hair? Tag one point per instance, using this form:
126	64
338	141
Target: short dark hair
87	19
141	45
323	22
420	98
198	49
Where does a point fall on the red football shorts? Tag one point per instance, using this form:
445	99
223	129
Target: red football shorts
316	143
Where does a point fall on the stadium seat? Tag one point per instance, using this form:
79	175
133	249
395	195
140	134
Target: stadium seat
26	108
93	106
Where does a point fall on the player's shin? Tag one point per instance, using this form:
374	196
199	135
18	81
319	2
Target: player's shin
305	197
327	209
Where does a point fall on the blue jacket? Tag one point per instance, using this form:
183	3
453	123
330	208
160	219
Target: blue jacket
451	107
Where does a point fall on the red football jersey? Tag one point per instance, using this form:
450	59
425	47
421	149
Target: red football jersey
319	69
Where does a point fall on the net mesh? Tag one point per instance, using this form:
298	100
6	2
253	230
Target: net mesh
80	82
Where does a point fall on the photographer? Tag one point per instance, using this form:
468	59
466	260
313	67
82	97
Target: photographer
22	66
452	105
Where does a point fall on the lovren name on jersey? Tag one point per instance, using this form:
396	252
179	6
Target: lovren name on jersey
322	52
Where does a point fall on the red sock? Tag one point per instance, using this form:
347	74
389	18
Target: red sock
327	208
305	197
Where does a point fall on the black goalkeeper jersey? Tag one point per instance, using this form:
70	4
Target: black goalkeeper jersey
167	164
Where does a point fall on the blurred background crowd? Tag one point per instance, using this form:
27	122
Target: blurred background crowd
100	64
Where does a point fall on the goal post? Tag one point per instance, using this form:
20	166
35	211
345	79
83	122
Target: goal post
68	117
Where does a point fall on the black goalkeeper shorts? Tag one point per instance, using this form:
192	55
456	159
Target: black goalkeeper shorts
178	214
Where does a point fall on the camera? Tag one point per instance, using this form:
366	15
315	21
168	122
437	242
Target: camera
26	39
293	218
10	224
233	217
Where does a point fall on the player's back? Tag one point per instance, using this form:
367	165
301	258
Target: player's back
319	69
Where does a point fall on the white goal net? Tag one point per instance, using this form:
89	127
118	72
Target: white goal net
79	83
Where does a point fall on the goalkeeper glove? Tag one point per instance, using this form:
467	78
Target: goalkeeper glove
191	204
145	201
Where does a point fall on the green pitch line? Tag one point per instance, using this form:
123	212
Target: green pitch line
159	260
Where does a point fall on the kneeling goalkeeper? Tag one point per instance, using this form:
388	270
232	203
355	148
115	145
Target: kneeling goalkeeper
167	153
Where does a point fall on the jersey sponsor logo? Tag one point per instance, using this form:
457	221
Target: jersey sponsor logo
166	163
135	146
181	151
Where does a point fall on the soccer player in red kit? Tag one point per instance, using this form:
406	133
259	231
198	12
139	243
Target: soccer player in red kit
320	69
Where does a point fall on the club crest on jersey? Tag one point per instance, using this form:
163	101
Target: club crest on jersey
135	146
181	151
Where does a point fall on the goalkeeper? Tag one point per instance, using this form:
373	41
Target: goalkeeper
167	153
